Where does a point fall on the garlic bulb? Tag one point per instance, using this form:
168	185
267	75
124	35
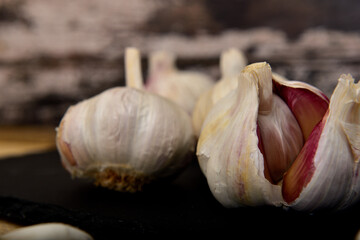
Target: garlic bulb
232	61
46	231
125	137
182	87
278	142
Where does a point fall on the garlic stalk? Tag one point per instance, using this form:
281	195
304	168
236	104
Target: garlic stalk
124	138
232	61
183	87
46	231
278	142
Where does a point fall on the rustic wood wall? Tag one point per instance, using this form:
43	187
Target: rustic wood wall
55	53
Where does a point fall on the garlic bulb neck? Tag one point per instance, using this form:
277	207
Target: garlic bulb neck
133	68
261	74
231	62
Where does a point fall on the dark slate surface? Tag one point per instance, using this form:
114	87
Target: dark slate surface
36	189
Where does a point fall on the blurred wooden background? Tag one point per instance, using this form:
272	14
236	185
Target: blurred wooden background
56	53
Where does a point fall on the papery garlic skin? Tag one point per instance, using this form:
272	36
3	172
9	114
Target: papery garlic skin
325	174
183	87
125	137
228	150
47	231
232	61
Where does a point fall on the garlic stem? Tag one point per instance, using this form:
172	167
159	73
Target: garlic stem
261	74
134	77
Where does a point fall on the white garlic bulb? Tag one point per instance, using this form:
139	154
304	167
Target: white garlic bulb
125	137
232	61
183	87
251	146
47	231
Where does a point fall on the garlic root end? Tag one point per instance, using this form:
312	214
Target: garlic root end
123	182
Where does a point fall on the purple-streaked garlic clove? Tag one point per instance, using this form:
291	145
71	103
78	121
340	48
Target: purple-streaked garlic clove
124	137
299	94
326	172
232	61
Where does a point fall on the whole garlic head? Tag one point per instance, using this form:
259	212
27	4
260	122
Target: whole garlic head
232	61
278	142
183	87
125	137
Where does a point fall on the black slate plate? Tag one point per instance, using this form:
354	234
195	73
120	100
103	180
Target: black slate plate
36	189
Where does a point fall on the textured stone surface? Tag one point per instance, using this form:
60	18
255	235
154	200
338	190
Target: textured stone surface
55	53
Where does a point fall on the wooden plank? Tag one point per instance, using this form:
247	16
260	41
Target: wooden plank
6	226
22	140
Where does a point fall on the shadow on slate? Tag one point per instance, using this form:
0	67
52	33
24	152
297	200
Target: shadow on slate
36	189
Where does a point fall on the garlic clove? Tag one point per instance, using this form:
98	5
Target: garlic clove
125	137
229	150
181	86
46	231
281	138
208	99
307	103
232	61
279	130
325	174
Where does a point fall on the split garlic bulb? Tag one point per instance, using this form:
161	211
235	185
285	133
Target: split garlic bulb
125	137
232	61
277	142
183	87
